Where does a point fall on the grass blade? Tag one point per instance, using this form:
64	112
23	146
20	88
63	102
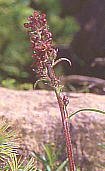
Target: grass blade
81	110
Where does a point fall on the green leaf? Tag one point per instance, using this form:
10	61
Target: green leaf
49	151
36	155
62	165
30	166
16	164
8	142
81	110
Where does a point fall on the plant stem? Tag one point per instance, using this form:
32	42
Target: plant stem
65	123
64	116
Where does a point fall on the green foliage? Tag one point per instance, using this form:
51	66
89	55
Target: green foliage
9	158
50	160
63	28
16	164
25	86
14	54
52	7
13	84
8	143
9	83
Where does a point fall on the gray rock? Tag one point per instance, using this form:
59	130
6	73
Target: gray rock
36	116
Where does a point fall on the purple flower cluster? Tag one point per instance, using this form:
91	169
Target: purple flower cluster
41	40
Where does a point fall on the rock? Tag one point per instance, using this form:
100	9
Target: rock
36	116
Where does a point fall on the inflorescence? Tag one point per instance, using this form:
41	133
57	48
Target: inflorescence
42	45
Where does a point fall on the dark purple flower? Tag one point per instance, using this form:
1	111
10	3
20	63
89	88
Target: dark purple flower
42	45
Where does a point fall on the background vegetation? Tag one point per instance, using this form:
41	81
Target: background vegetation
15	55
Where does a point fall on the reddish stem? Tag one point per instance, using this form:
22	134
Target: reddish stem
64	116
65	123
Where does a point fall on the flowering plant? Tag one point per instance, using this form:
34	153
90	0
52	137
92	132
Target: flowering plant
44	56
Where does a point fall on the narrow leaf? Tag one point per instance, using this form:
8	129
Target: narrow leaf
36	155
92	110
62	165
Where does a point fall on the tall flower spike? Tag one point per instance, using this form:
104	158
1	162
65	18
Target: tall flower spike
44	55
43	52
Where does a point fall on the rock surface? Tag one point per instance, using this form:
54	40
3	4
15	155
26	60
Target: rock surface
36	115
